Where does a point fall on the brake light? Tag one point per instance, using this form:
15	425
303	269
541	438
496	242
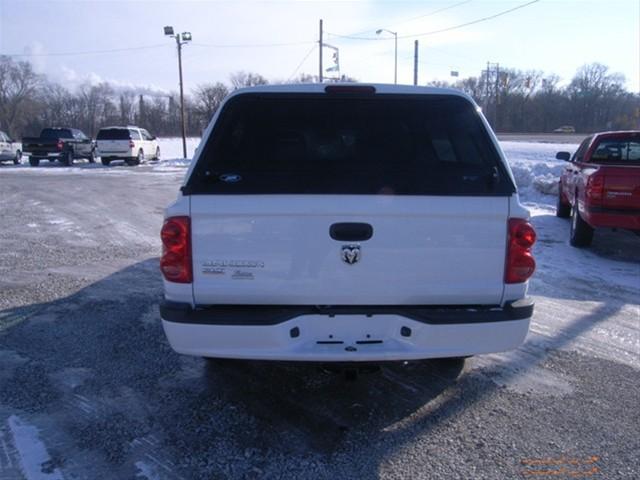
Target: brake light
60	145
175	263
595	188
520	263
132	144
350	89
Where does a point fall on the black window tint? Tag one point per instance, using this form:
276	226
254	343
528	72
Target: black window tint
617	150
55	133
404	145
114	134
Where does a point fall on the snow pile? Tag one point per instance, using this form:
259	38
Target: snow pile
535	167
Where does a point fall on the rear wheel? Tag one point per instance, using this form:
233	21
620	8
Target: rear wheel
581	233
136	160
67	159
563	210
34	162
106	161
157	157
17	158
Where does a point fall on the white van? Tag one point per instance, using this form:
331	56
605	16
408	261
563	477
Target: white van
347	223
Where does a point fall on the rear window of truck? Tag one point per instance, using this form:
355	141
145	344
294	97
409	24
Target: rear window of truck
618	150
114	134
323	144
55	133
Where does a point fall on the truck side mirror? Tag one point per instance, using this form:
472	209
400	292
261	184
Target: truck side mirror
566	156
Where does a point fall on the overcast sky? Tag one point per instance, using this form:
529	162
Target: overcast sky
556	36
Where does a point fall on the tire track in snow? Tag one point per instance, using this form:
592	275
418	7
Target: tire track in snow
29	452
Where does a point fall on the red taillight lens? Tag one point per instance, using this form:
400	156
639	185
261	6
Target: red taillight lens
59	145
595	188
132	144
175	263
520	263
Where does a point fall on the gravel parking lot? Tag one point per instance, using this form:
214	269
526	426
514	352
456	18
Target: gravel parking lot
89	387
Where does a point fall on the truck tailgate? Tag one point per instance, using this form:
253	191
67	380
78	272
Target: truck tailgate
621	187
113	146
37	147
277	249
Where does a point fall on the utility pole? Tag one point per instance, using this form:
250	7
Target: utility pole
182	122
415	62
486	96
395	60
492	91
320	72
395	56
181	39
497	95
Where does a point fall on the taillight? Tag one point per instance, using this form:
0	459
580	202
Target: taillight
520	263
595	188
132	144
175	263
60	145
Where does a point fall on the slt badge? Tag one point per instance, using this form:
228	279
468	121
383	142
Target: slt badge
350	254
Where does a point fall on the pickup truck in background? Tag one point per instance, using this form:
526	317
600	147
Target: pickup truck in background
600	187
63	144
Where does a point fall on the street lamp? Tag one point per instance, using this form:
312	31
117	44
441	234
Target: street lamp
395	63
181	39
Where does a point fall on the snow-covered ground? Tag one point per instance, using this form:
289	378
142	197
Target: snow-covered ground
79	254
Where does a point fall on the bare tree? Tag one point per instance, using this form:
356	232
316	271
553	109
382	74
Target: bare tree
127	107
243	79
593	91
96	105
207	98
18	87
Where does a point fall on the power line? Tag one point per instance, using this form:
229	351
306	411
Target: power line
448	29
301	63
147	47
408	19
87	52
253	45
434	12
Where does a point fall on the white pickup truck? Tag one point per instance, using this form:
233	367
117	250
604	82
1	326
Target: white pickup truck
347	223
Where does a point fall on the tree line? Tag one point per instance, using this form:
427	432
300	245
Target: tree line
513	101
529	101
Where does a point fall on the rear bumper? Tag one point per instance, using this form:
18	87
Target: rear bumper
115	153
349	336
599	217
43	154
